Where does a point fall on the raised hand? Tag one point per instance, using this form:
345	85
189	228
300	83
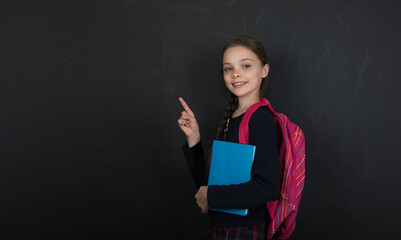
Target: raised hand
189	125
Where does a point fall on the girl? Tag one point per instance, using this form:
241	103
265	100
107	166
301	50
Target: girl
245	69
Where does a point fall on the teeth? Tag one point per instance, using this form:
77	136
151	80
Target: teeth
237	84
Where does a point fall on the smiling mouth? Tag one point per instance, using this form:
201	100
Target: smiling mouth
238	85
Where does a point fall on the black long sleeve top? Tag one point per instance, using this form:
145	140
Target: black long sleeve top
264	185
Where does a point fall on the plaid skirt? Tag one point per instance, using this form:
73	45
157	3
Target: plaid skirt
257	232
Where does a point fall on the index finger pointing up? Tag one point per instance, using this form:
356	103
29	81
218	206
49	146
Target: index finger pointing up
185	106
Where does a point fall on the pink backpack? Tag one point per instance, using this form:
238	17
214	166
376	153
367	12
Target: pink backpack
291	144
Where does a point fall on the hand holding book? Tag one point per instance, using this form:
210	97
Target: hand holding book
201	199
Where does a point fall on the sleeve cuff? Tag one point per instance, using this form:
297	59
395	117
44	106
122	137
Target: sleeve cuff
193	151
210	192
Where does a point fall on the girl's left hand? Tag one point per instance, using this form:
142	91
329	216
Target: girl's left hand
201	199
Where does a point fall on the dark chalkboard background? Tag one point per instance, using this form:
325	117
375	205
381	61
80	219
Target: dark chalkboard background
90	147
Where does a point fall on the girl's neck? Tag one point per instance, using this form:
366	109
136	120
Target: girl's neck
244	104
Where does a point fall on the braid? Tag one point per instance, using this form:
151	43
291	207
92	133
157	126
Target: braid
230	109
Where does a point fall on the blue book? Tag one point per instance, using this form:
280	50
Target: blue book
231	163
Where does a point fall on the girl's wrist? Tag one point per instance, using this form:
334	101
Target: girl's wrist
193	141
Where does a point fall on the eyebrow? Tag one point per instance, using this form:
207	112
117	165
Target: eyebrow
240	60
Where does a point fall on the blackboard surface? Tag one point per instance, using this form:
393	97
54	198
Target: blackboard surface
89	142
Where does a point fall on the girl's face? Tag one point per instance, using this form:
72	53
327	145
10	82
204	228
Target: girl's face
243	72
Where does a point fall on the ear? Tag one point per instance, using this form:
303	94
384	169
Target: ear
265	70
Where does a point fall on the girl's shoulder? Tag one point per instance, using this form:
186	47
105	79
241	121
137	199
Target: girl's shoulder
262	115
261	112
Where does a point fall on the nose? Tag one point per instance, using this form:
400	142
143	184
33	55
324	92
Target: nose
236	75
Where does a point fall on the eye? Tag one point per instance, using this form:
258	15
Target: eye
227	69
247	66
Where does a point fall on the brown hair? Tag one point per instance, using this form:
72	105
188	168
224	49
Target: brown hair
257	48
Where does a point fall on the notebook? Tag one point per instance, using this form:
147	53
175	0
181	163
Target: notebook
231	163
